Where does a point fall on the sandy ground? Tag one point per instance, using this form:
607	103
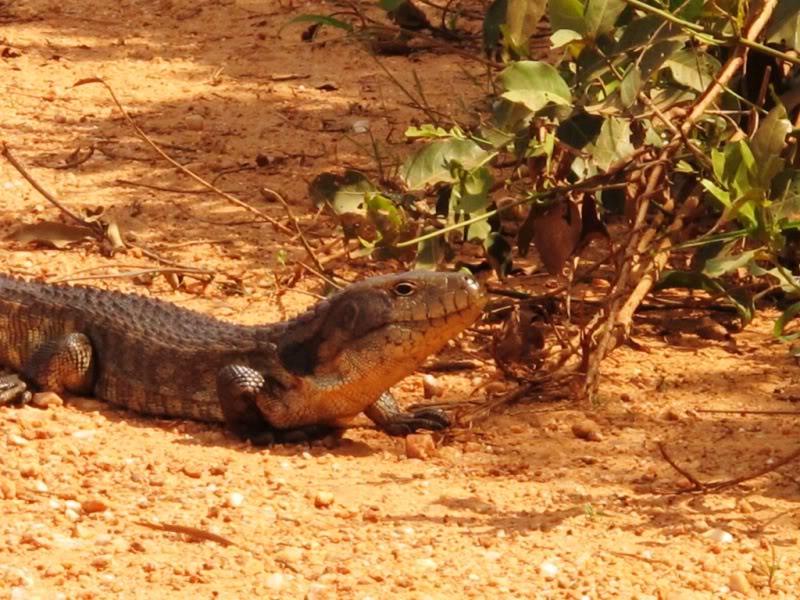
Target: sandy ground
515	507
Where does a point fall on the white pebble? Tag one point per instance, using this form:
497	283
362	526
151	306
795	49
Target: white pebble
719	535
427	564
361	126
275	581
16	440
83	434
548	569
235	499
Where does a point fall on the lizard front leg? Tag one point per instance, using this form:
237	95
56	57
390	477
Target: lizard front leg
246	397
58	365
388	416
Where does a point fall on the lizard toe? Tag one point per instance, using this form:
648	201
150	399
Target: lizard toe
13	390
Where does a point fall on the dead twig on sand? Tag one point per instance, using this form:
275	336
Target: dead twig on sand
140	132
94	227
723	484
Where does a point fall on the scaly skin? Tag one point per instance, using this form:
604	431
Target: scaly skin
328	364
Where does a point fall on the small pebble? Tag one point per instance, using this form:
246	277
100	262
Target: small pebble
323	499
719	535
431	387
290	555
46	399
234	500
361	126
587	430
93	505
275	581
194	122
420	445
738	583
548	569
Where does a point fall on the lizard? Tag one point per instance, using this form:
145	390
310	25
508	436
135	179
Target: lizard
294	380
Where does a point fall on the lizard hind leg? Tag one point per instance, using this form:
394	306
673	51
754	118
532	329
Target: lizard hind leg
62	364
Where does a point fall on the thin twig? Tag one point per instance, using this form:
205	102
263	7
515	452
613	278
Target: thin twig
130	274
692	479
192	532
232	199
265	191
93	226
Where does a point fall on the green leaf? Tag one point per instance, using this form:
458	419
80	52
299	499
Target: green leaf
784	28
601	15
345	192
613	143
645	32
431	164
430	253
562	37
722	265
768	143
391	5
479	231
387	217
688	10
693	69
534	84
786	196
780	324
522	20
472	191
630	86
427	131
321	20
566	14
723	196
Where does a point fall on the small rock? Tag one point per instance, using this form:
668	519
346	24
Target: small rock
194	122
234	500
420	445
587	430
275	581
548	569
361	126
426	564
431	387
16	440
8	489
673	414
93	505
323	499
290	555
472	447
192	471
738	583
719	535
709	329
46	400
745	507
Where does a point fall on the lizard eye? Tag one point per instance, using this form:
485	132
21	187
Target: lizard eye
405	288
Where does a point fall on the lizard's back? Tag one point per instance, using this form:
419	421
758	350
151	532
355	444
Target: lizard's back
150	356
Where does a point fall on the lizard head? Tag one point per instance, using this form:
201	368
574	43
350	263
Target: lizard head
377	331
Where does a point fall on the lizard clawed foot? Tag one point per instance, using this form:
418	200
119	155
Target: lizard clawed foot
432	419
13	390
